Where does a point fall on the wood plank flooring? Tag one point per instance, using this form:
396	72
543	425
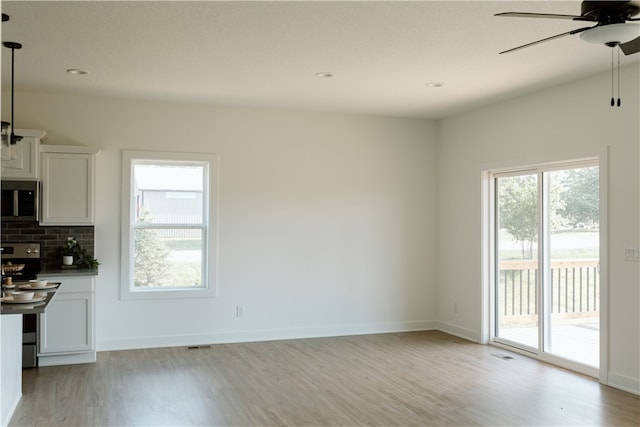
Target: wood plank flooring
408	379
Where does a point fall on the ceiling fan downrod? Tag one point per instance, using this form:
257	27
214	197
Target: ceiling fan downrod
13	138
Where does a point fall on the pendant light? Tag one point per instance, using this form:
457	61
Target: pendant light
11	137
6	149
5	134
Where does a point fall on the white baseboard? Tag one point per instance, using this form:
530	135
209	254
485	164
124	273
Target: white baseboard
622	382
263	335
66	359
458	331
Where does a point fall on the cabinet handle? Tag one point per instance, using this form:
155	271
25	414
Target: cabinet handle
16	208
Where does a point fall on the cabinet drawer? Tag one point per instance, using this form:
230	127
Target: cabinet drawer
72	284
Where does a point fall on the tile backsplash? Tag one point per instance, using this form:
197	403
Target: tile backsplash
49	237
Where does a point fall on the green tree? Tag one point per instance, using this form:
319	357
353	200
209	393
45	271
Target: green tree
151	257
518	196
580	192
518	212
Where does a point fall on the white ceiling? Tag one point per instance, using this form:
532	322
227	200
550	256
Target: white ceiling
267	53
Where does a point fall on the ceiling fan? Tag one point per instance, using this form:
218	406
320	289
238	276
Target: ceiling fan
612	24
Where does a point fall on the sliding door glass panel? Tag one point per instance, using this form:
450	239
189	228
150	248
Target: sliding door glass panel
517	272
573	284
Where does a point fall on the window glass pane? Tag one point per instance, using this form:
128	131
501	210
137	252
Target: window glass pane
168	194
517	253
168	257
574	250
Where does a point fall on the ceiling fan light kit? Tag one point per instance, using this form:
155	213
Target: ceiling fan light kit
613	29
612	33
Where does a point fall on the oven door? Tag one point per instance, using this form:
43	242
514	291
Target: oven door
30	340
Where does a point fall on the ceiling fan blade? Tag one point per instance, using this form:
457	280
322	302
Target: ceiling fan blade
557	36
630	47
544	15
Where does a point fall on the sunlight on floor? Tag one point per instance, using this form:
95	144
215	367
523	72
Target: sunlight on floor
579	342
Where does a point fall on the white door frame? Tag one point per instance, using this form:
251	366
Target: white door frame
487	323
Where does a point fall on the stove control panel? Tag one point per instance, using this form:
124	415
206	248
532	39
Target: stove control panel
20	250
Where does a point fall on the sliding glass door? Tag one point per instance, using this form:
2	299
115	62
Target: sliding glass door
546	285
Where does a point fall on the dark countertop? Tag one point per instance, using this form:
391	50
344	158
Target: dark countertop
69	272
36	308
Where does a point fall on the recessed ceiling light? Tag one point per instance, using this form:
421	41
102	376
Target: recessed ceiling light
324	74
76	71
434	84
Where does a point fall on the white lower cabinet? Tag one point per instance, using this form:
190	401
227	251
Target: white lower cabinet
67	326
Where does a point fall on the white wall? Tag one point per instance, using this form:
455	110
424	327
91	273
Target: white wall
566	122
326	222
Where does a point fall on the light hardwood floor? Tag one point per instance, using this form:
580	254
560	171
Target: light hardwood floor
422	378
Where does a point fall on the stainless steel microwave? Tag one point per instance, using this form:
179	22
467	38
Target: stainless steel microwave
19	200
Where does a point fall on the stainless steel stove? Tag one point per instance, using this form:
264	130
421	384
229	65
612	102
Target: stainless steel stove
14	255
21	253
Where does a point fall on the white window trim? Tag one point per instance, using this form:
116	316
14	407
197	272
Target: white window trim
127	292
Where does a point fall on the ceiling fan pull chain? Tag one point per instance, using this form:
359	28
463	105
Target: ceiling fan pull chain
618	77
612	100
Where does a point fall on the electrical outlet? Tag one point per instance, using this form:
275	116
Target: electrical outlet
240	311
455	307
631	254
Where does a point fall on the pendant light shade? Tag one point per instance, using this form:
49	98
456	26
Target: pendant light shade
6	148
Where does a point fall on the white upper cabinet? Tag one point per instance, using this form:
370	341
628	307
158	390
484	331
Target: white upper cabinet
68	181
25	164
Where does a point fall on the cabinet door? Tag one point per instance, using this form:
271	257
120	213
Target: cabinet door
67	325
67	189
25	165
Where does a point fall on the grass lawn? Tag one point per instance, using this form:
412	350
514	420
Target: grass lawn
569	244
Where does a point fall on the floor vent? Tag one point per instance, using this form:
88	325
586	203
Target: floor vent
197	347
502	356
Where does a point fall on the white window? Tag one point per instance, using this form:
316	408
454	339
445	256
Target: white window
168	225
